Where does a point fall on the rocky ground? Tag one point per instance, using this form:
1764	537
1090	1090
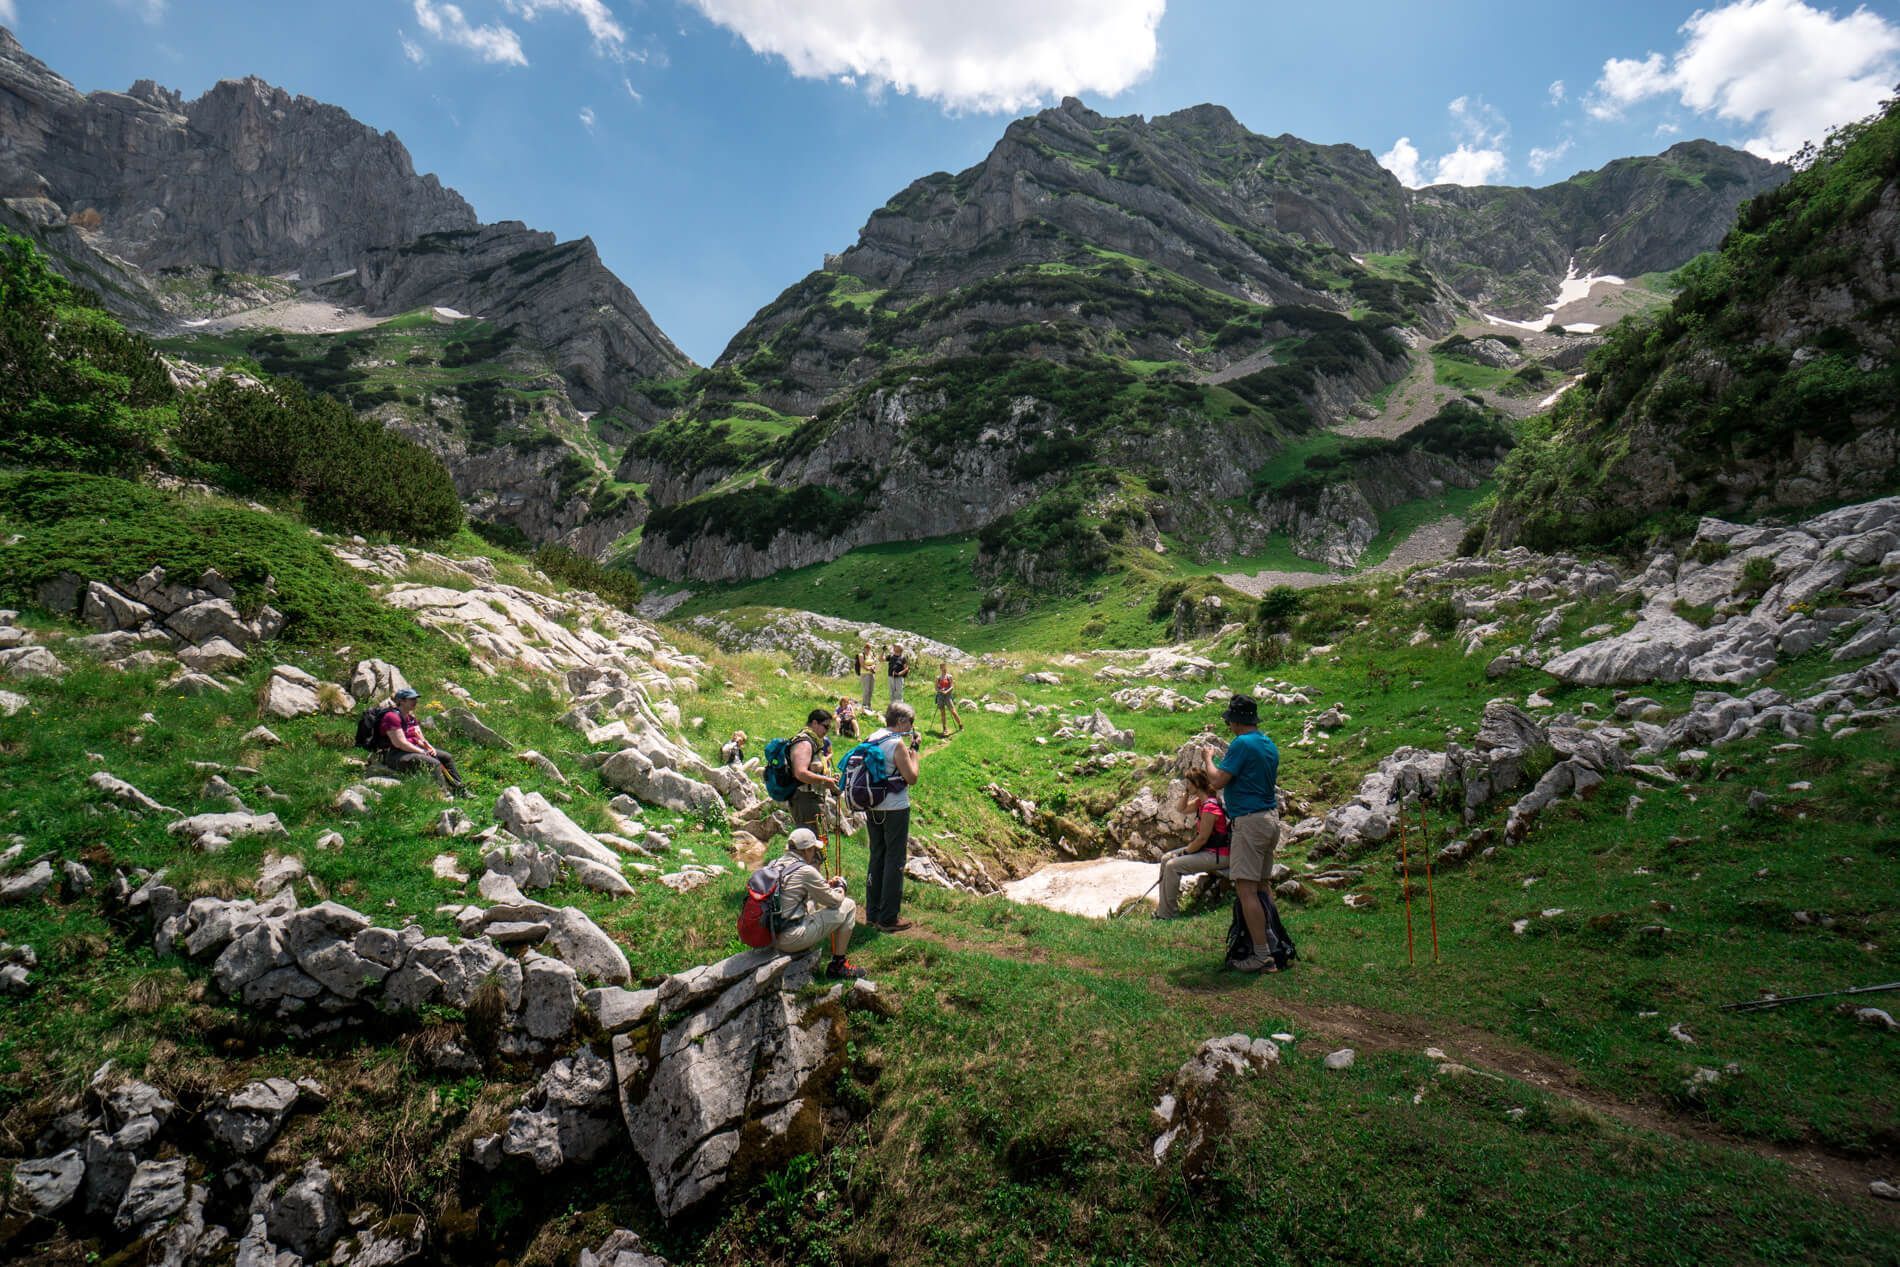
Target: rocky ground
1625	686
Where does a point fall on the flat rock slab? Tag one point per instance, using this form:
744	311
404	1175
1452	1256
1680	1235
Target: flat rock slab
1094	888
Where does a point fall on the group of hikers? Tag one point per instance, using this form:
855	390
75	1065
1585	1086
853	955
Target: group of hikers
792	905
897	666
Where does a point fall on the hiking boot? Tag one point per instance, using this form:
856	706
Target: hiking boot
895	926
841	969
1253	963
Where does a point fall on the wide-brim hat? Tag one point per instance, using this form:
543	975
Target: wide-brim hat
1242	709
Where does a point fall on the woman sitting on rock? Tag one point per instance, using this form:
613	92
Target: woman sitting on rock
1208	850
408	751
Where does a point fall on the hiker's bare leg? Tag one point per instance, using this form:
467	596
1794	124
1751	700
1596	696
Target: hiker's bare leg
1250	911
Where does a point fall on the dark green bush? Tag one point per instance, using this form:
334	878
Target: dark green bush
351	474
754	516
76	388
618	587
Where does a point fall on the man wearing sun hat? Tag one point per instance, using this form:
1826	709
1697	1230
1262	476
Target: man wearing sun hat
1247	776
815	908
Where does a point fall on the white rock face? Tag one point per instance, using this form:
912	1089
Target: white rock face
290	692
529	816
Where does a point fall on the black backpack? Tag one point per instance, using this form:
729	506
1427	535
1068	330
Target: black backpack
1280	946
369	728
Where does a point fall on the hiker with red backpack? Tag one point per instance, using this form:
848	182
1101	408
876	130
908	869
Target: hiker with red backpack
395	738
1208	850
791	906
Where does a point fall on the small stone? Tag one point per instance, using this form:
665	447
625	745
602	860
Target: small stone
1884	1190
47	1185
447	867
261	736
1341	1059
156	1192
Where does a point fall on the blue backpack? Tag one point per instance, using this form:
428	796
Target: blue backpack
866	776
779	783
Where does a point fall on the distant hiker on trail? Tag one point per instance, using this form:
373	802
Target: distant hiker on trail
733	751
897	665
1248	774
806	759
1208	850
406	751
888	823
847	720
946	700
864	664
812	908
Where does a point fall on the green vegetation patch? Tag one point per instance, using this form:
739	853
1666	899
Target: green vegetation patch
105	528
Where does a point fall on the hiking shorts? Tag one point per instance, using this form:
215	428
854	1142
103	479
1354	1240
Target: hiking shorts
946	700
816	927
1255	835
807	809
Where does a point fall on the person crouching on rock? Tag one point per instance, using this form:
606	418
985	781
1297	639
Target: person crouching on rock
408	751
1206	852
815	908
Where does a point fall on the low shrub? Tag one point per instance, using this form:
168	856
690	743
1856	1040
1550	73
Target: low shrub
618	587
350	473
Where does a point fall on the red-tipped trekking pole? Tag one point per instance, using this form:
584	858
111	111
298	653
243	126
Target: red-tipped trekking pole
1431	898
1405	870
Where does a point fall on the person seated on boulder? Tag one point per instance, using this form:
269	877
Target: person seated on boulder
847	720
1208	850
814	908
408	751
733	751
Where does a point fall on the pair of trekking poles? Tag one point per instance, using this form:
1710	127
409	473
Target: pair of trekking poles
1405	870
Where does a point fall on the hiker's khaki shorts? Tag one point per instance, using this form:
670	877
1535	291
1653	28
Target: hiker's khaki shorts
1255	835
816	927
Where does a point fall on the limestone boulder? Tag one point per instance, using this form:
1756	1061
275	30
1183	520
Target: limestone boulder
373	681
529	816
108	611
735	1086
290	692
632	771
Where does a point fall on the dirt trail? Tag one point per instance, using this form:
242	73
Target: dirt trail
1417	397
1367	1029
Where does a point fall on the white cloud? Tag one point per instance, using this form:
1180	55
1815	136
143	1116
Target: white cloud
1543	156
1402	161
1667	129
610	38
1557	92
8	13
631	90
1477	159
411	49
1780	66
587	117
985	55
446	22
1468	166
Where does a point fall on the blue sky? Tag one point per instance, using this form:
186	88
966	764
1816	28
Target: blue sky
716	149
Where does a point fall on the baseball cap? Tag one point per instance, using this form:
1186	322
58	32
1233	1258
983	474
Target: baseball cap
406	693
802	839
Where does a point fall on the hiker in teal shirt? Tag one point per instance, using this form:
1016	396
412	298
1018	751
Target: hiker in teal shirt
1246	776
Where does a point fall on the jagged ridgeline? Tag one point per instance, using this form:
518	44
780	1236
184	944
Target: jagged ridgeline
250	227
1769	382
1115	330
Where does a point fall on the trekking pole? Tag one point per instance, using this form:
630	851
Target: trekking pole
1431	898
1405	870
1119	911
